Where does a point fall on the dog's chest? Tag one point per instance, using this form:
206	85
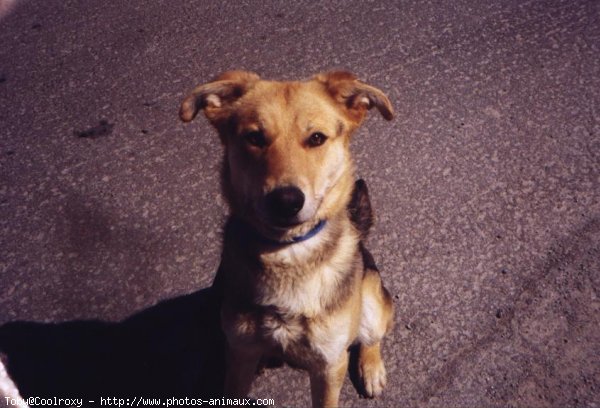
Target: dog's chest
300	280
304	294
298	299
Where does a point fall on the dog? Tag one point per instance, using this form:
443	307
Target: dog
297	282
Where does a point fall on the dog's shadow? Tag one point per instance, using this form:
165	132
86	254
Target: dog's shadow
173	349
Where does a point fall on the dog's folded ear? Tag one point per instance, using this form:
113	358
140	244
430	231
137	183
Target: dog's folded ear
355	95
214	96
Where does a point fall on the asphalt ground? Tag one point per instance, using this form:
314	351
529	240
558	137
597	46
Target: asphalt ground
485	187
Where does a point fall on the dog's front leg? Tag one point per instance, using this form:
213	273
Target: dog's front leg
326	382
241	369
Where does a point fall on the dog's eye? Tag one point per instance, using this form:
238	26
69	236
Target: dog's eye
256	138
316	139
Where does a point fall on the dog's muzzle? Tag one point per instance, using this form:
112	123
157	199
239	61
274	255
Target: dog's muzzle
284	203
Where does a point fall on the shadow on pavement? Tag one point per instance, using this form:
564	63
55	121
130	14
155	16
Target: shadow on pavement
173	349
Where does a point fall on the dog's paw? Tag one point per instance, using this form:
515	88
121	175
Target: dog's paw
373	376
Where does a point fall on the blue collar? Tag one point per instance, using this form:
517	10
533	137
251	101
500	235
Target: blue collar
294	240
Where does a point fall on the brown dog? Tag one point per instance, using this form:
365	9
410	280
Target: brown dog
297	282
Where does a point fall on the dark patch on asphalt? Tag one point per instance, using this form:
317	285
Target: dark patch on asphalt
102	129
2	79
36	26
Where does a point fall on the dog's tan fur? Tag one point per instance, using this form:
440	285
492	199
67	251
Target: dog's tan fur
303	302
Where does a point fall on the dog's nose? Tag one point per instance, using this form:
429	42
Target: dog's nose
285	202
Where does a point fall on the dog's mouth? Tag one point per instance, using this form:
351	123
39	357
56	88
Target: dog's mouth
284	225
281	225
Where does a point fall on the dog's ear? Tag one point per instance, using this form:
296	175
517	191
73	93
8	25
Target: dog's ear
215	96
356	96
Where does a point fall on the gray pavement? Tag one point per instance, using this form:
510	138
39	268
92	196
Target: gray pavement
486	187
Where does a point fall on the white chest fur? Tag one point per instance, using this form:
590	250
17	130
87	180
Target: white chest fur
299	285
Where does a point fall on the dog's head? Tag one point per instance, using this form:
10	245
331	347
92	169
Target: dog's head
287	161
